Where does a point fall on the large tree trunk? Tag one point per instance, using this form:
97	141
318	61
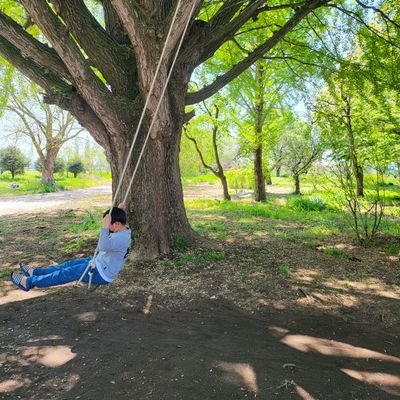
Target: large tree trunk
155	205
259	181
47	173
48	166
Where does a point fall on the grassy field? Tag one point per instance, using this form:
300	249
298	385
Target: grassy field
30	182
319	213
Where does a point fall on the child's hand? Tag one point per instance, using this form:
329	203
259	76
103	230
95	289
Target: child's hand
107	221
122	206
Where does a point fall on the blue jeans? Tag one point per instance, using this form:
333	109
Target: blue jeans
68	271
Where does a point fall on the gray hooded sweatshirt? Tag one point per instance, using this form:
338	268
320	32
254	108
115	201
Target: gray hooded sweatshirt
113	251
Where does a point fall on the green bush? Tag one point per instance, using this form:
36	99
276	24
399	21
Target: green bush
314	203
240	178
12	159
76	167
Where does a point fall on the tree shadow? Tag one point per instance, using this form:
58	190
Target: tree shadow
72	344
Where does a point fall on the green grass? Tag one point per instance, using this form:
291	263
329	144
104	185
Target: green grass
392	249
333	251
30	182
4	275
308	225
89	222
191	258
284	270
206	178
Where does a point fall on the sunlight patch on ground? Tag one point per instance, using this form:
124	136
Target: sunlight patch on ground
89	316
10	385
386	382
262	234
345	246
333	348
304	395
147	307
9	295
377	289
46	338
277	331
49	356
238	373
306	275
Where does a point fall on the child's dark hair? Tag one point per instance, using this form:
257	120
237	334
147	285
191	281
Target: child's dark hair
117	215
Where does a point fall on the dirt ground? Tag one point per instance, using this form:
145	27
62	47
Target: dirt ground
328	331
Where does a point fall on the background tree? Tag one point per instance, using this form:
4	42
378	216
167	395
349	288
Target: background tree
48	127
59	165
302	149
76	167
12	159
212	123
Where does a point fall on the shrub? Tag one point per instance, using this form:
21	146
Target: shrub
240	178
76	167
314	203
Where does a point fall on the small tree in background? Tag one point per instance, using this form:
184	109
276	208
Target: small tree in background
209	120
302	149
12	159
76	167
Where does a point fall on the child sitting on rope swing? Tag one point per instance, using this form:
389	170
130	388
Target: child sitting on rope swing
113	248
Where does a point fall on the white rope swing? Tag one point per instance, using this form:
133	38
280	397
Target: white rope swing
91	266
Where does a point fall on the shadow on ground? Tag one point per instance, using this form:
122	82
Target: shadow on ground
70	344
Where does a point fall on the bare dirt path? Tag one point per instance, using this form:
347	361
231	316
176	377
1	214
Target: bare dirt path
34	203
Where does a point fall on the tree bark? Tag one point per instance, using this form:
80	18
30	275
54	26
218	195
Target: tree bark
224	183
48	162
268	179
259	181
297	184
155	205
357	167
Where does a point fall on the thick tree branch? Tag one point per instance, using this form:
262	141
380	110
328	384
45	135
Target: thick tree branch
129	19
143	30
180	22
40	53
78	107
113	60
219	29
223	80
106	107
38	74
